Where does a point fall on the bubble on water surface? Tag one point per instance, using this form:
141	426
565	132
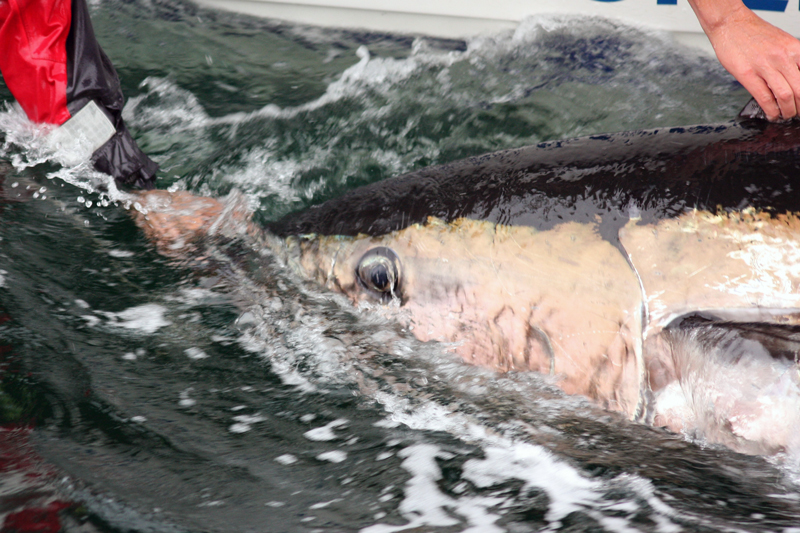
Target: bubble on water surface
425	504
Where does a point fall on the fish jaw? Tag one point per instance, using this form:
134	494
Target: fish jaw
562	302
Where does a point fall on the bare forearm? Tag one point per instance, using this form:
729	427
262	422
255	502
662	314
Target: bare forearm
713	14
762	57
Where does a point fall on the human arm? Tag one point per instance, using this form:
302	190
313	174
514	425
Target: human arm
53	65
762	57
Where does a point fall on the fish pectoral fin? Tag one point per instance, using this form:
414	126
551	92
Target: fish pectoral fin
752	110
779	317
735	383
779	339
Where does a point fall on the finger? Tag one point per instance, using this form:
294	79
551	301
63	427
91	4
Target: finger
793	77
784	95
784	81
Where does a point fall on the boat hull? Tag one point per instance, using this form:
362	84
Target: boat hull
461	19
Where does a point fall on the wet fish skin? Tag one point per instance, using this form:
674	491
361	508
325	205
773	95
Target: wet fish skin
653	173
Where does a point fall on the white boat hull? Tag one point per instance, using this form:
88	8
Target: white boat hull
465	18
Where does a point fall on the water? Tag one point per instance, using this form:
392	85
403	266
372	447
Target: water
219	393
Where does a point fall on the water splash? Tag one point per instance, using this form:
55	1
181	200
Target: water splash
28	145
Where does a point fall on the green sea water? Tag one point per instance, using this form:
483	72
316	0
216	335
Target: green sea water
219	393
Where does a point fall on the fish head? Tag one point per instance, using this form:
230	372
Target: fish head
562	302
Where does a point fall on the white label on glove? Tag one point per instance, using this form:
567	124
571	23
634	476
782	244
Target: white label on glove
85	132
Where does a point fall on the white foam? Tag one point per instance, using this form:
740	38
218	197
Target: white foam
425	504
262	162
195	296
195	353
244	423
305	343
505	459
38	146
325	433
333	456
367	73
120	254
567	489
185	400
282	362
91	320
322	505
146	318
286	459
176	109
3	275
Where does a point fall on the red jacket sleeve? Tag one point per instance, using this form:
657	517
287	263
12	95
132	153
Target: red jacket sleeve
55	68
33	56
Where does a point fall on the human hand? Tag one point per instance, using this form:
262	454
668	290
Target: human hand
762	57
174	220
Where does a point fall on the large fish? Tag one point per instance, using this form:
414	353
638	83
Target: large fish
655	272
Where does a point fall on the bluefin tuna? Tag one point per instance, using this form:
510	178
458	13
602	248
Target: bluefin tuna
655	272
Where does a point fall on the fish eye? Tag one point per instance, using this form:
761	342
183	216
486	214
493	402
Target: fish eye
378	271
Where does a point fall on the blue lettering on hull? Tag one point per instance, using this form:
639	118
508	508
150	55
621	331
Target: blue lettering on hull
767	5
761	5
